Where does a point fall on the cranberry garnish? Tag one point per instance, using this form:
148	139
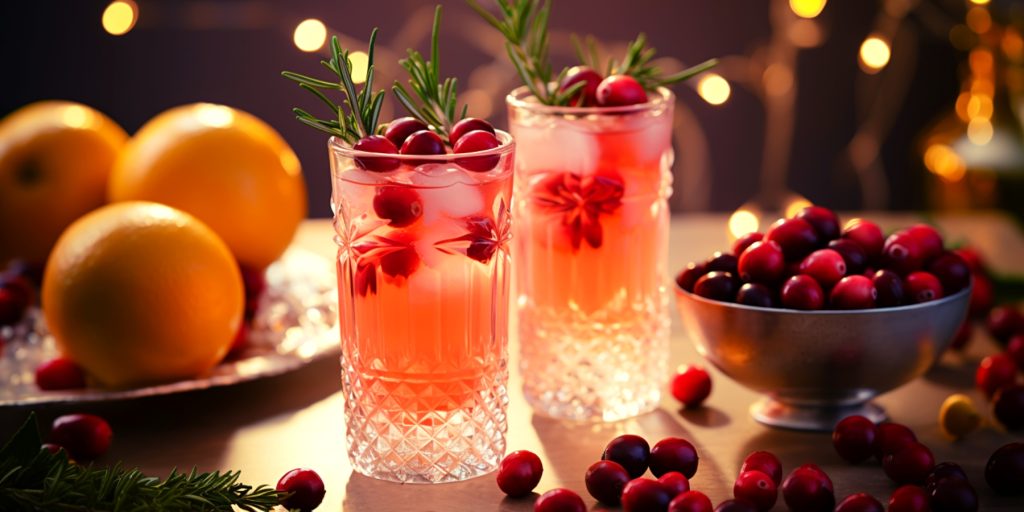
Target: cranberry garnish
825	266
762	262
306	488
691	386
923	287
951	271
1008	407
888	288
466	126
745	241
559	500
1004	471
802	292
674	454
765	462
620	90
690	501
982	296
808	489
942	471
519	473
477	140
995	372
854	439
953	495
581	201
1014	349
719	286
59	373
631	452
928	239
854	292
84	436
908	498
756	294
860	502
50	447
722	262
376	144
399	205
689	276
892	437
903	253
587	95
398	255
423	142
853	254
910	465
605	480
645	495
675	483
1005	321
401	128
825	221
735	506
366	278
964	334
756	488
796	237
867	234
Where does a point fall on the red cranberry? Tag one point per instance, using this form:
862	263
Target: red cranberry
691	386
32	271
756	294
376	144
802	292
1004	471
59	373
465	127
1004	322
50	447
762	262
689	276
808	489
254	281
690	501
964	334
645	495
735	506
796	237
400	262
892	437
745	241
477	140
85	436
587	95
620	90
21	287
306	486
888	288
423	142
854	439
1008	407
674	454
675	483
928	239
908	498
756	488
854	292
824	221
867	234
853	254
631	452
401	128
719	286
399	205
860	502
825	266
11	308
972	258
903	253
953	495
240	341
995	372
519	473
559	500
765	462
951	271
923	287
982	296
910	465
722	262
605	481
943	471
1014	349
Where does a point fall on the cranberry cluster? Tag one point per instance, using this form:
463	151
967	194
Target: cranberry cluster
598	91
807	262
410	136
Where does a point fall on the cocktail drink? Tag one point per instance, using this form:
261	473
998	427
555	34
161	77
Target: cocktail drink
591	237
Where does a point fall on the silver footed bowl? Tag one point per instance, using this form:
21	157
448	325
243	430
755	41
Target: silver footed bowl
817	367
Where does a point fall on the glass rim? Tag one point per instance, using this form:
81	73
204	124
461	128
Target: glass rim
508	143
517	98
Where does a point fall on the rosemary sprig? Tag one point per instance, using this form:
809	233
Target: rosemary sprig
637	64
357	115
436	105
33	479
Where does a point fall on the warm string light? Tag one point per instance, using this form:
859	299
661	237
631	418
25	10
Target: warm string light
360	61
874	53
807	8
714	89
310	35
119	17
942	161
743	221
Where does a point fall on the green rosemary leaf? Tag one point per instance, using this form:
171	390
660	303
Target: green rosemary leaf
310	81
688	73
330	104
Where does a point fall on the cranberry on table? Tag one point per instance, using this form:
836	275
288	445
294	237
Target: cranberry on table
908	498
631	451
928	239
853	292
1008	407
762	262
942	471
735	506
691	501
466	126
796	237
1004	322
808	489
620	90
859	502
689	276
645	495
720	286
765	462
401	128
691	385
982	296
423	142
888	289
11	308
824	221
756	488
587	95
559	500
376	144
675	483
1015	349
867	234
854	439
477	140
59	373
923	287
892	437
953	495
85	437
952	272
853	254
802	292
745	241
995	372
399	205
903	253
306	486
910	465
1004	471
755	294
605	480
825	265
519	473
674	454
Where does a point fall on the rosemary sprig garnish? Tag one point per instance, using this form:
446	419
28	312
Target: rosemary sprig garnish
436	105
357	115
33	479
637	64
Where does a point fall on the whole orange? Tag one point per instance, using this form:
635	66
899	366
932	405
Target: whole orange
226	167
139	293
55	157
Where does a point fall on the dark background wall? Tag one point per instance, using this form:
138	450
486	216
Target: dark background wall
232	51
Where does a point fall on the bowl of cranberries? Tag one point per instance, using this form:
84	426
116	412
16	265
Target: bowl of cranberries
821	317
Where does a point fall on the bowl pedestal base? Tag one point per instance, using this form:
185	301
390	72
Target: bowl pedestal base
816	418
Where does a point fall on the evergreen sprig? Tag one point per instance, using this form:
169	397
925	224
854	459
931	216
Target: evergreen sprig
34	479
357	115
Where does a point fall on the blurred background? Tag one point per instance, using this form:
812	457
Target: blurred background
889	104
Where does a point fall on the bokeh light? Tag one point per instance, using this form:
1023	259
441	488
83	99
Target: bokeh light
714	89
310	35
942	161
807	8
874	54
979	131
360	61
119	17
743	221
796	203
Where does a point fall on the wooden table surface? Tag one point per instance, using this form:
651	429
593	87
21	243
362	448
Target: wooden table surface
266	427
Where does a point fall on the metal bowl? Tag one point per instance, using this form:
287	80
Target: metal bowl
817	367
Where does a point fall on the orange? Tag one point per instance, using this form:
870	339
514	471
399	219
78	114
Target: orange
226	167
55	157
139	293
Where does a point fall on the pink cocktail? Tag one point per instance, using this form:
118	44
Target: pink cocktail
423	282
591	235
